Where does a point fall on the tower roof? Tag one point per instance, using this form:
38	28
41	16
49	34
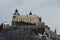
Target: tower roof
30	13
16	13
16	10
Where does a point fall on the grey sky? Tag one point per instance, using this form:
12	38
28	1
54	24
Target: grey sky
49	10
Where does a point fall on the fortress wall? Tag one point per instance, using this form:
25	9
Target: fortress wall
30	19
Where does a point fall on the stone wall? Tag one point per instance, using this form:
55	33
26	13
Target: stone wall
28	18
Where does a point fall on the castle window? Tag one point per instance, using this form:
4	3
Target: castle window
14	16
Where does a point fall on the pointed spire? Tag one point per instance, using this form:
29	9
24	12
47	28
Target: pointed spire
55	30
16	13
16	10
30	13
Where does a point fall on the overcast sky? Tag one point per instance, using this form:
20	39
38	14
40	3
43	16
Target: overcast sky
49	10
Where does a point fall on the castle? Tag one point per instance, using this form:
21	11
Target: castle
33	19
33	23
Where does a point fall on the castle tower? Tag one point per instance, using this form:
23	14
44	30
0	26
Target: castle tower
14	16
16	13
5	25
